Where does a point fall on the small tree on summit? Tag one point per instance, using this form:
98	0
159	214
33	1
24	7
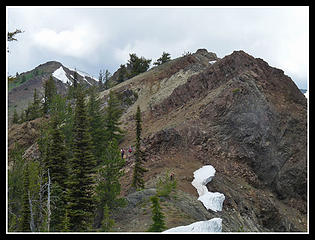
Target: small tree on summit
163	59
137	65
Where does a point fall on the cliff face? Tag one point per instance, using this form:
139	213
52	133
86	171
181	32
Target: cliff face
240	115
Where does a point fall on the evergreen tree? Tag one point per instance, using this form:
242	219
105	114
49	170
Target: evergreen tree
66	223
81	180
100	80
163	59
137	65
96	126
111	120
122	74
157	216
26	213
57	162
15	117
36	105
75	79
34	111
15	185
108	185
49	91
139	170
107	222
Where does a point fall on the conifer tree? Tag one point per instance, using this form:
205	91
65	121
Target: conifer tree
26	213
112	116
96	126
108	185
81	181
139	170
49	92
107	222
75	79
163	59
57	159
157	216
35	112
137	65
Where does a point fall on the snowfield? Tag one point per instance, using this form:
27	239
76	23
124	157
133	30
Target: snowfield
212	225
210	200
61	75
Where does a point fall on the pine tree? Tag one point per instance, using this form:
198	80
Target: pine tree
81	180
163	59
100	80
49	91
107	222
15	117
35	106
75	79
122	74
26	213
157	216
108	185
112	116
57	159
139	170
137	65
96	126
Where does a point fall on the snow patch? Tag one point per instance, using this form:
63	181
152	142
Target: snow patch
84	74
306	94
210	200
60	74
212	62
212	225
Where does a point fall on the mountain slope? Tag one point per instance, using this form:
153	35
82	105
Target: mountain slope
20	92
240	115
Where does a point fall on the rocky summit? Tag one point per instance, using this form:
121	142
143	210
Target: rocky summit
238	114
242	116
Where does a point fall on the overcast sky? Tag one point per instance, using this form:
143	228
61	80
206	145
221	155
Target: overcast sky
91	39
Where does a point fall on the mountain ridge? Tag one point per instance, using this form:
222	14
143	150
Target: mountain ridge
240	115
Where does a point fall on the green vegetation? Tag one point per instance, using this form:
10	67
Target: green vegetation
139	170
163	59
78	172
157	216
137	65
165	185
82	167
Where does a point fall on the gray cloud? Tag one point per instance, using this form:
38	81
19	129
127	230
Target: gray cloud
101	38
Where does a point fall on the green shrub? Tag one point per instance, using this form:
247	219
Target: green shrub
165	185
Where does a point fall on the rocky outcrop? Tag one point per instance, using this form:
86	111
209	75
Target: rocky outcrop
252	112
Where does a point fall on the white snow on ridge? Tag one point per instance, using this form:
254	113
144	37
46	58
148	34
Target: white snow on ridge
83	74
61	75
202	176
212	225
213	201
306	94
